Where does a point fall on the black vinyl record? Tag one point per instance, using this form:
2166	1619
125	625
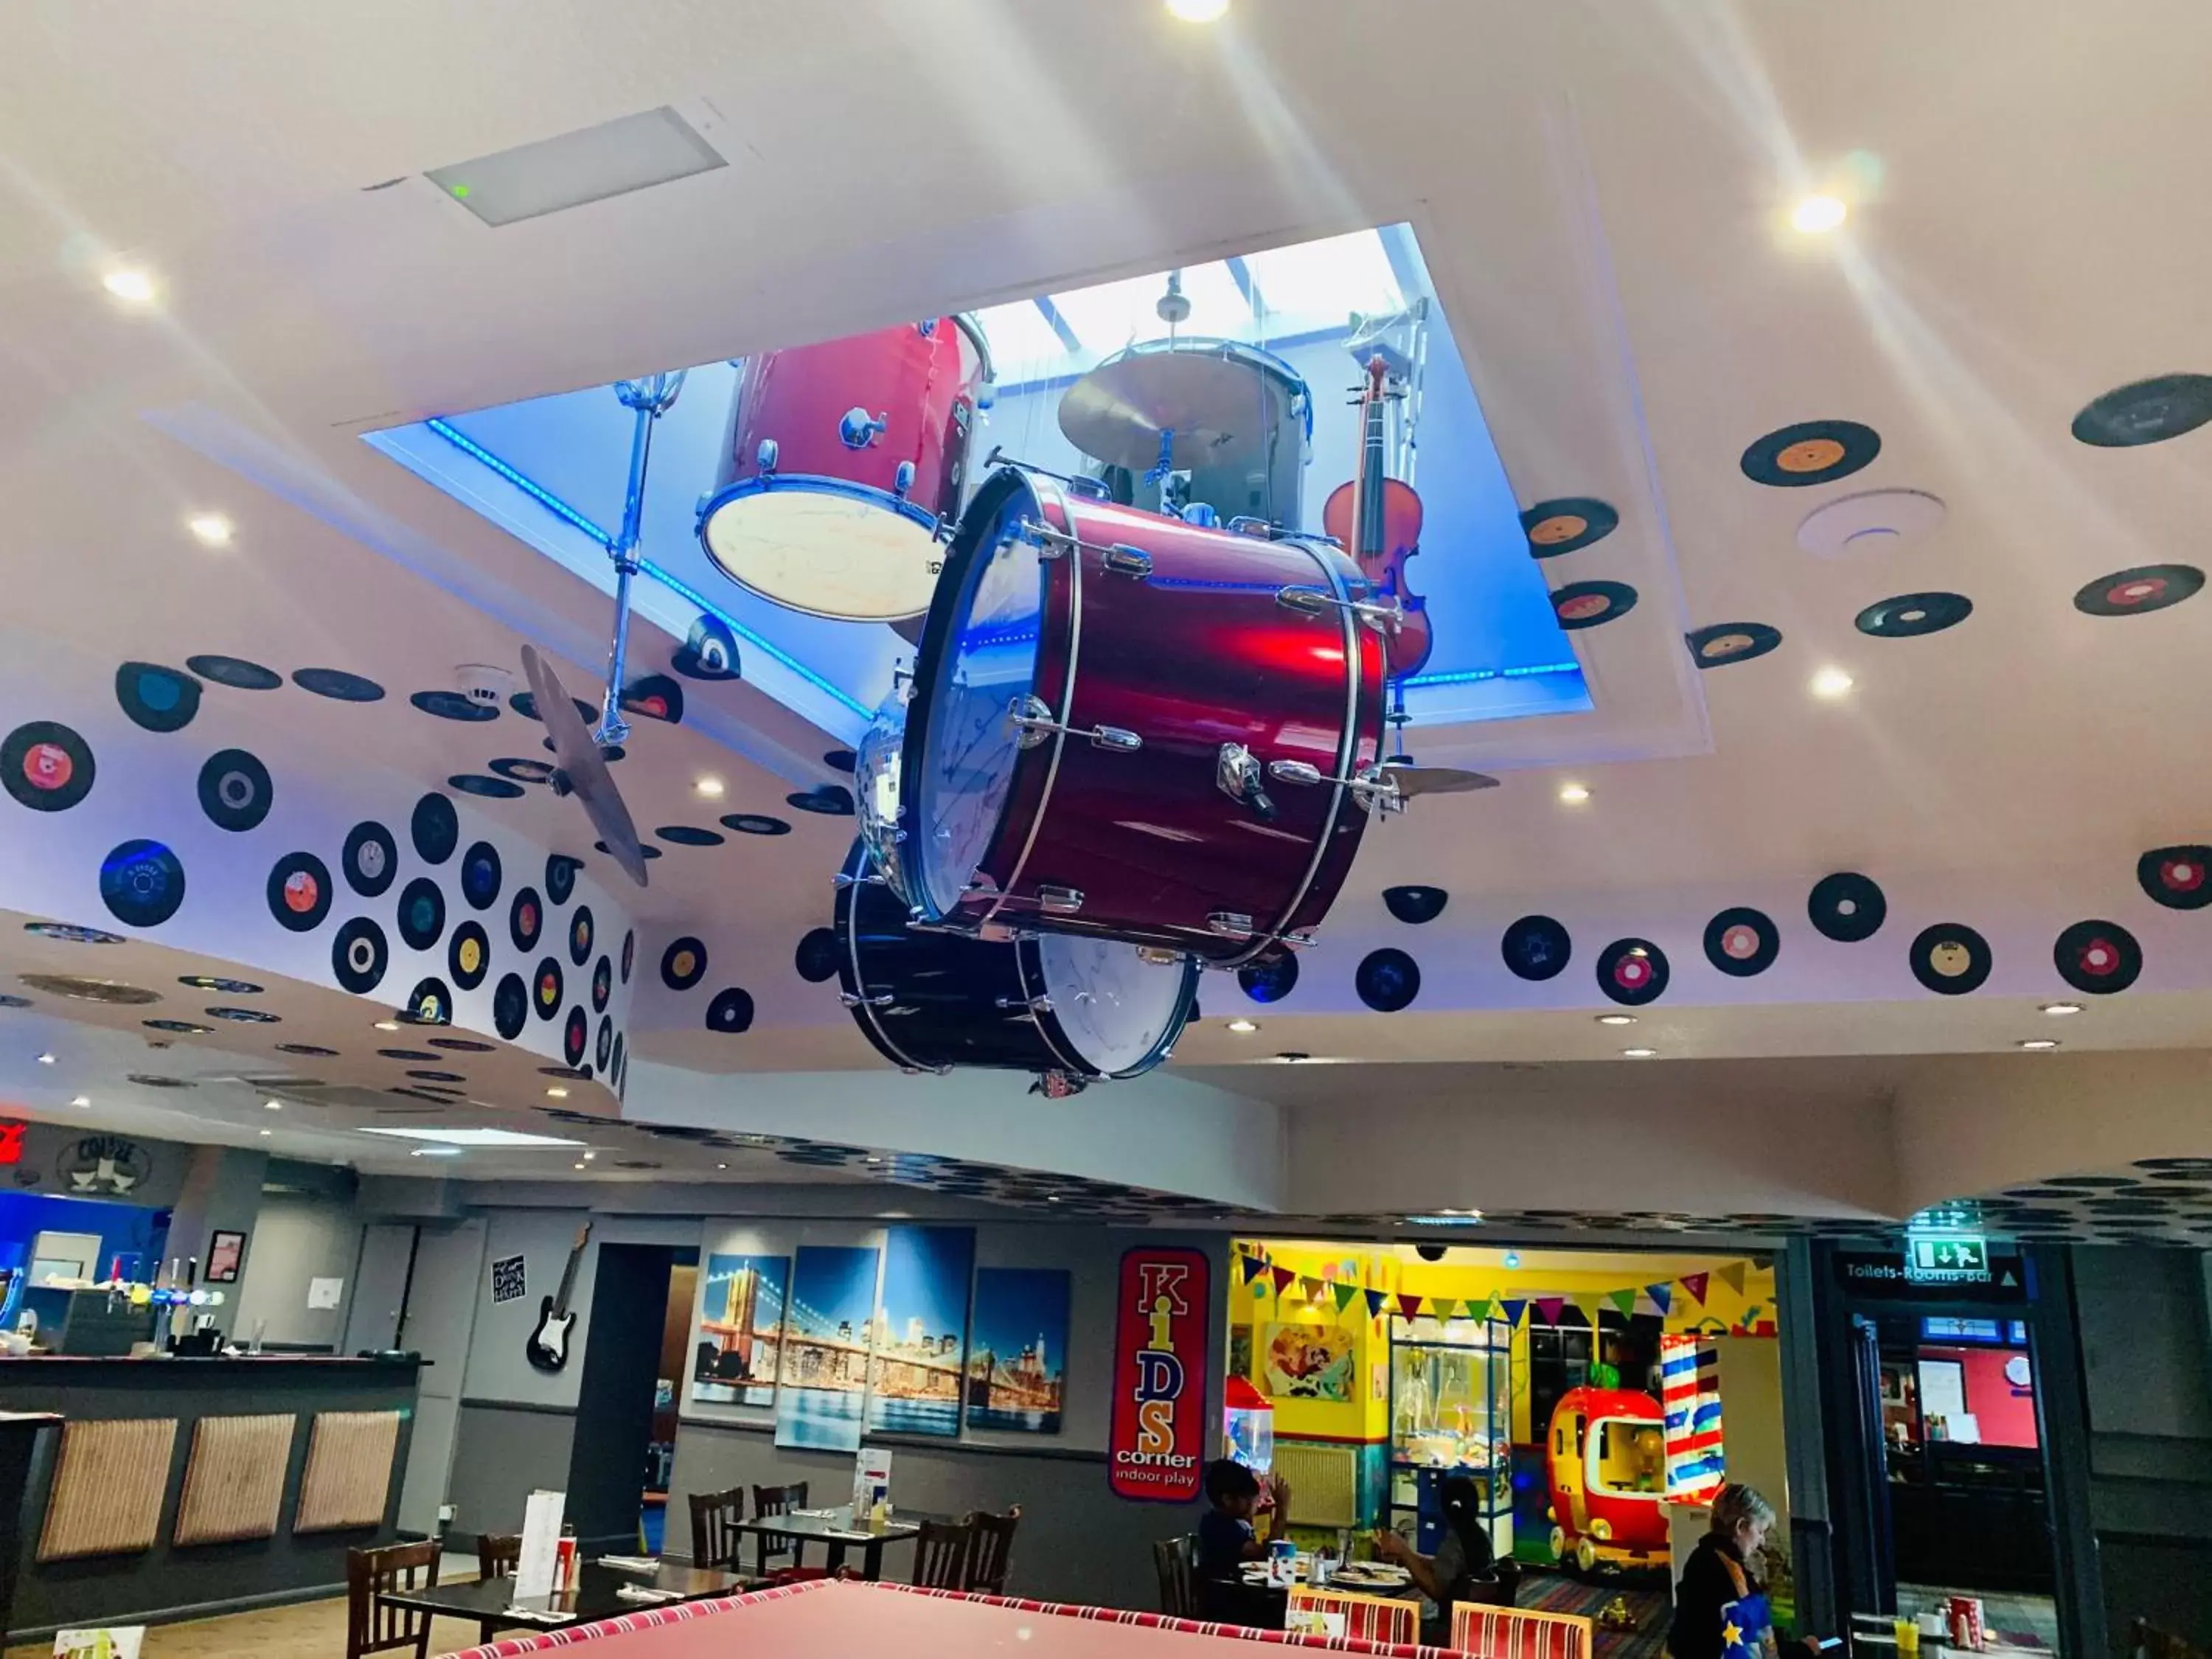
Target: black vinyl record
221	985
371	858
436	828
655	697
480	875
359	955
1387	980
620	1070
484	787
580	935
1719	644
755	823
1950	958
2146	411
338	685
684	964
235	791
628	953
730	1012
142	883
648	851
561	877
831	800
1586	604
526	919
429	1004
1271	978
422	913
510	1006
1846	907
1536	947
686	834
468	955
1741	942
2140	590
1811	453
156	698
1415	905
816	957
604	1050
300	891
45	766
2180	877
455	706
709	652
235	673
546	987
521	771
1632	971
2099	957
460	1045
1567	525
840	760
573	1036
602	985
1909	616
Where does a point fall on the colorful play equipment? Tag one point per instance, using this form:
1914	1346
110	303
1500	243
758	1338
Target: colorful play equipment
1607	1467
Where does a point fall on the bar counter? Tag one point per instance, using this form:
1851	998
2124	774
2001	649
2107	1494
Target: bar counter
182	1487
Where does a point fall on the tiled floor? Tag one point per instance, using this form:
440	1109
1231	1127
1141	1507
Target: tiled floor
2021	1620
311	1629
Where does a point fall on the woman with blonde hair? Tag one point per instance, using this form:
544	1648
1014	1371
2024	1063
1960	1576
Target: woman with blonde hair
1718	1572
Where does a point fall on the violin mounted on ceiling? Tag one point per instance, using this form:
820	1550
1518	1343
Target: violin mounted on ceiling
1377	518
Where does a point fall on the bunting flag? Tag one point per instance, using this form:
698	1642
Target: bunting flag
1695	1285
1478	1307
1409	1305
1375	1301
1624	1301
1586	1307
1548	1308
1346	1293
1283	1277
1733	1276
1251	1267
1513	1310
1663	1296
1312	1288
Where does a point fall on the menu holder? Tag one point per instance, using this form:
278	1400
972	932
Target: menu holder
541	1544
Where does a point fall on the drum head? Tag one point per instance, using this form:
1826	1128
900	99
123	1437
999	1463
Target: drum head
824	547
1117	1011
958	790
876	762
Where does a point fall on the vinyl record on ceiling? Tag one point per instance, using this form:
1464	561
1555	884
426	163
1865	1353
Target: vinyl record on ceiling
181	1027
1567	525
648	851
709	652
429	1004
526	706
468	957
755	823
621	1067
684	964
1811	453
235	673
142	883
1910	615
628	953
221	985
1586	604
603	984
1271	978
510	1006
520	771
460	1045
235	791
359	955
730	1012
655	697
830	799
338	685
422	913
2146	411
574	1034
2099	957
840	760
684	835
439	1078
45	766
1632	971
604	1050
816	957
311	1051
1722	643
546	987
580	935
2180	877
524	918
1536	947
561	877
245	1016
300	891
1415	905
1741	942
1950	958
2138	591
371	858
484	787
436	828
71	933
1387	980
480	875
1846	907
455	706
155	698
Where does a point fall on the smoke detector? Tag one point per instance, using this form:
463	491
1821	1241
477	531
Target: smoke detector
1871	521
485	683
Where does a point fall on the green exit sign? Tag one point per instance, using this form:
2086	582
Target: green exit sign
1947	1259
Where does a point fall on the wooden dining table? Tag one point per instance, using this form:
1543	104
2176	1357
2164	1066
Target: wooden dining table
835	1529
494	1607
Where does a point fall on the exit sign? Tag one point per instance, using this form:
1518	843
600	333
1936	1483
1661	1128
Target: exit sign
1947	1258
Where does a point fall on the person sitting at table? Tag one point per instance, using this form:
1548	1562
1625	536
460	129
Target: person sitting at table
1718	1574
1463	1556
1225	1538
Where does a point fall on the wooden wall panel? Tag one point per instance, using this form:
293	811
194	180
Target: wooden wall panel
234	1479
109	1479
349	1477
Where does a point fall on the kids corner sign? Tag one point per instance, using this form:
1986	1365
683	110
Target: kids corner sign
1158	1447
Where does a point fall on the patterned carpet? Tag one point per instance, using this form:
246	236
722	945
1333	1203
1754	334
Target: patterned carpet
1554	1592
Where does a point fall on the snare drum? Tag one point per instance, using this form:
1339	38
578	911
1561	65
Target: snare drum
1131	727
840	459
1039	1002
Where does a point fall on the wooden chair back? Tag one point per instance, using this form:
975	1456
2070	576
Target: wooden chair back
498	1553
994	1544
777	1500
1172	1561
940	1554
714	1519
1522	1633
372	1625
2146	1640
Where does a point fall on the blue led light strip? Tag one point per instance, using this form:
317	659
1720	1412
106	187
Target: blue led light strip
1475	676
569	515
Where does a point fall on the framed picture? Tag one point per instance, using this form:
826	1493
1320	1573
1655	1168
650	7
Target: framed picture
226	1251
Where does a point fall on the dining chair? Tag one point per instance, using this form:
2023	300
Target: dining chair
498	1553
994	1543
374	1626
1172	1561
940	1554
777	1500
714	1519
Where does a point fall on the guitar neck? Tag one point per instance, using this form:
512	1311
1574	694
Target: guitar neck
568	1279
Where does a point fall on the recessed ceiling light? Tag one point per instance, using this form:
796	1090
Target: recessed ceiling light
82	1100
1639	1053
387	1025
1816	214
580	1165
1242	1027
588	1156
557	1092
457	1137
209	529
435	1152
268	1132
2061	1007
1831	682
46	1060
2040	1043
272	1105
1574	793
130	284
722	1166
710	787
1052	1197
1616	1019
1291	1057
1198	11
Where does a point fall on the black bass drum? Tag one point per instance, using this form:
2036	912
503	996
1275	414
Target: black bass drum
1051	1003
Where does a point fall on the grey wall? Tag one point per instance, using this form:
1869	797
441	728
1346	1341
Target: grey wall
296	1240
221	1191
501	1453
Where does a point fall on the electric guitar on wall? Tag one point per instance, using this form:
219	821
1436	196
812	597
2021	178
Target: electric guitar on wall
548	1347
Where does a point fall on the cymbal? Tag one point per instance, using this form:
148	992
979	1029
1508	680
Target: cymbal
1437	779
1215	405
583	771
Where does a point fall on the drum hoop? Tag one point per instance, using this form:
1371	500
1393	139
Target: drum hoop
1029	965
810	483
1030	961
850	898
1048	496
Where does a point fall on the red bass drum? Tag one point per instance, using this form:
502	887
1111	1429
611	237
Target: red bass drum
1137	728
840	460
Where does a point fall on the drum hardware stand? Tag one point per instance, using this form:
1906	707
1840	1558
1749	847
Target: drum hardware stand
1313	602
1118	559
648	400
1094	488
1031	1005
1032	719
881	999
1237	771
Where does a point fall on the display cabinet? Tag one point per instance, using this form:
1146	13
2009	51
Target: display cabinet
1452	1395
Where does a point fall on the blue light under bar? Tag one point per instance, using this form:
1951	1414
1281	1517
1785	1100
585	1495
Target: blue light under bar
1475	676
568	515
